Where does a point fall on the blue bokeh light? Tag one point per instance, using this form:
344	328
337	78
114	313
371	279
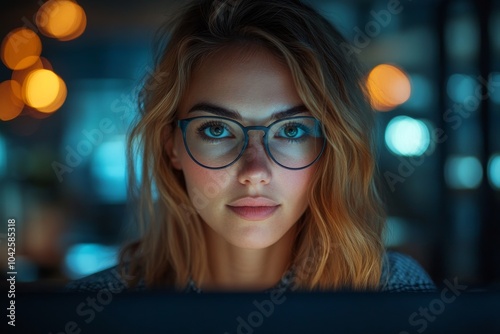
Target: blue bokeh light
109	170
494	171
460	87
494	87
85	259
463	172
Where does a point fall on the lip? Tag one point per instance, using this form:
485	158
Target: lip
253	201
254	212
254	208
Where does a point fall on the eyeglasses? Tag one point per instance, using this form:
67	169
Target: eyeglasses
218	142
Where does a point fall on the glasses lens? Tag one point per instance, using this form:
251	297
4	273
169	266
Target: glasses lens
214	142
296	142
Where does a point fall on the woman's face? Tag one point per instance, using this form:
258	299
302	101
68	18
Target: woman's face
254	202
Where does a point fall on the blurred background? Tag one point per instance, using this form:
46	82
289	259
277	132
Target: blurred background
69	77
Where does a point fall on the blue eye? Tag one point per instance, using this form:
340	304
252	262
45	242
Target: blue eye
292	131
214	130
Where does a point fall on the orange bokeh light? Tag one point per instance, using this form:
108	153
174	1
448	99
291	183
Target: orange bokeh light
44	90
389	86
21	48
20	75
11	103
61	19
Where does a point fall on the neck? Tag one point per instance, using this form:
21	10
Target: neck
239	269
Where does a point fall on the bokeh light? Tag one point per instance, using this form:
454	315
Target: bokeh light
108	168
20	75
493	87
85	259
407	136
44	90
463	172
21	48
61	19
494	171
397	231
389	86
11	102
462	37
460	87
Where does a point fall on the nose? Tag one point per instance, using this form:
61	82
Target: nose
254	167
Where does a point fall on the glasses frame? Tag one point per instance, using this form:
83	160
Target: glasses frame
183	123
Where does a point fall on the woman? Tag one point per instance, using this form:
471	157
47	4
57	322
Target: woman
257	160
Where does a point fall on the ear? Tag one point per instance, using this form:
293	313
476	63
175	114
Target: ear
172	147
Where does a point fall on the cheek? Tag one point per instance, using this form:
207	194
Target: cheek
204	184
297	183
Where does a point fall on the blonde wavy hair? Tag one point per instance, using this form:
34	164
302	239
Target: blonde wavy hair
338	244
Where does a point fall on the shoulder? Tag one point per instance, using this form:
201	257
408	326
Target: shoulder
110	279
401	273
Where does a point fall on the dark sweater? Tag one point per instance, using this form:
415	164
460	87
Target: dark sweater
400	273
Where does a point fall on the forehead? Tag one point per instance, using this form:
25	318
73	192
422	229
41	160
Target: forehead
248	79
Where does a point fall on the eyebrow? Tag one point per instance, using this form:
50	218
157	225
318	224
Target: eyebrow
220	111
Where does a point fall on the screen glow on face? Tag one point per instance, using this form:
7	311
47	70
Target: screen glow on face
244	134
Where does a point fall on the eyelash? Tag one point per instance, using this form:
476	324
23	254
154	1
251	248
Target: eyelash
206	125
200	131
300	127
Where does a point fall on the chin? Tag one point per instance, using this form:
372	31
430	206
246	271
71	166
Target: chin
252	242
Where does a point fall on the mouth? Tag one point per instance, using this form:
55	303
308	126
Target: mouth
254	213
254	208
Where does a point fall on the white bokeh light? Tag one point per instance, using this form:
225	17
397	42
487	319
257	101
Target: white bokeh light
407	136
